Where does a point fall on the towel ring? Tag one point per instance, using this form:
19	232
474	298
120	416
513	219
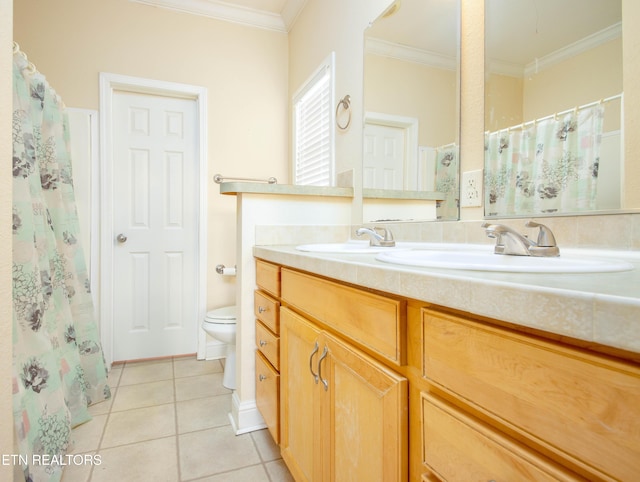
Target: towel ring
345	102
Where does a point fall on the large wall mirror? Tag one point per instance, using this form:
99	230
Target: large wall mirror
553	107
411	104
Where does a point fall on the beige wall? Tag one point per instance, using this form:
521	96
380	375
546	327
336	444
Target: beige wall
579	80
428	94
503	102
631	74
6	102
243	68
587	77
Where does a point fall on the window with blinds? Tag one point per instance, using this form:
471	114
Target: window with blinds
313	140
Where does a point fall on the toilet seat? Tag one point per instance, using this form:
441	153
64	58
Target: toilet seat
225	315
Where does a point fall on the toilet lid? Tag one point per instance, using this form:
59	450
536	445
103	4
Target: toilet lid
226	314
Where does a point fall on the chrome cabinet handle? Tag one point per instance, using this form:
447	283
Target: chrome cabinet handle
261	377
263	343
261	309
315	350
121	238
325	352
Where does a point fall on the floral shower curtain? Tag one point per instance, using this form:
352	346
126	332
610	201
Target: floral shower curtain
547	167
58	364
447	181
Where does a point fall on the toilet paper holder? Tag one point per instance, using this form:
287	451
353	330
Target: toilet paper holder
223	270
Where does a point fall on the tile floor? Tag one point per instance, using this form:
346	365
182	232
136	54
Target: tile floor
168	421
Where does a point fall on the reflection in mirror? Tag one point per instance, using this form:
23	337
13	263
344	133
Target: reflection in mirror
553	106
411	103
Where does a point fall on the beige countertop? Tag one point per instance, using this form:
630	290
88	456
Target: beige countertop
240	187
595	307
233	188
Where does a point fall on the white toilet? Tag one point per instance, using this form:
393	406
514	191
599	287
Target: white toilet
221	324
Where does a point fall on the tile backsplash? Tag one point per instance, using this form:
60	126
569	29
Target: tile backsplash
607	231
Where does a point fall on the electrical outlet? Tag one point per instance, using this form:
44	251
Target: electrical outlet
471	189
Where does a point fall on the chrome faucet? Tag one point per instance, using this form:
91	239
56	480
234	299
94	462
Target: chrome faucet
375	239
511	242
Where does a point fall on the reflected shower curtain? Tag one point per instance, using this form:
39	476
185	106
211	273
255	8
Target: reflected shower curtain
58	364
550	166
447	174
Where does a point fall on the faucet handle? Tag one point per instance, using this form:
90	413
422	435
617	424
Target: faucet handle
378	239
545	235
388	236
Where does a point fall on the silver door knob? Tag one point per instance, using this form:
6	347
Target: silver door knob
121	238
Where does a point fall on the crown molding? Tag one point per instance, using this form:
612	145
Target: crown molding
592	41
576	48
234	13
410	54
291	11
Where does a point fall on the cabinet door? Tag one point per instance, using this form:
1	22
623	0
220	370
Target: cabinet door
300	410
364	416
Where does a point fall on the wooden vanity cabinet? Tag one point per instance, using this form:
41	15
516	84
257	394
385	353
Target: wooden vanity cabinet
267	313
378	388
343	413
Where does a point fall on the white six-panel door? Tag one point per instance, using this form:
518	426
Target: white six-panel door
384	157
155	216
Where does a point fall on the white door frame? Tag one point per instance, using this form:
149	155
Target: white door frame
108	84
410	126
90	175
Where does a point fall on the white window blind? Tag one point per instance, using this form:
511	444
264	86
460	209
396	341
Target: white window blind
313	129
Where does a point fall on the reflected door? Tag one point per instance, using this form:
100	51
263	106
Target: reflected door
383	164
155	221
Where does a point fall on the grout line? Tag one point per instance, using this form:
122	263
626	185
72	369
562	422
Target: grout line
116	388
262	460
106	422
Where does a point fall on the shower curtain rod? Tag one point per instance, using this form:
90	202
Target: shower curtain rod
16	50
580	107
31	68
447	146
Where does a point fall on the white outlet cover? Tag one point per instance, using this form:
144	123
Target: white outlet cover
471	189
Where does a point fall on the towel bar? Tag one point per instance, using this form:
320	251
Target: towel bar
218	179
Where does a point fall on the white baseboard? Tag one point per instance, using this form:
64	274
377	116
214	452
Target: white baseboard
245	416
215	350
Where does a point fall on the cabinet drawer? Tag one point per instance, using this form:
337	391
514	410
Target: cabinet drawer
267	310
581	406
458	447
268	395
375	321
268	344
268	277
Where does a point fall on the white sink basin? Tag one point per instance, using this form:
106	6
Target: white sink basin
488	261
362	246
